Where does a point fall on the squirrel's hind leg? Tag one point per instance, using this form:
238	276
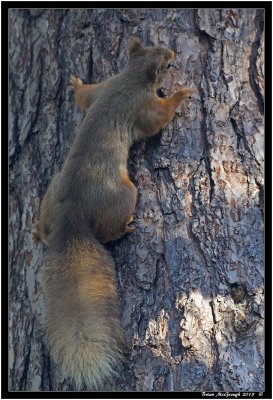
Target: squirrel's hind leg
128	184
114	222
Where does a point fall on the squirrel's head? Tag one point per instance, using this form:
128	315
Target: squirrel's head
153	61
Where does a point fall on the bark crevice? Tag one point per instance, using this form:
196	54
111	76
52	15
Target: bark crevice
253	72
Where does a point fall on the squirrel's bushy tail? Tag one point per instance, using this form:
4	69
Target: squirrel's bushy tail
82	323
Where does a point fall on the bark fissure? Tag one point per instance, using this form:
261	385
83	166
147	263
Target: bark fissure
206	121
30	132
24	377
213	312
59	98
253	72
241	137
261	195
197	245
224	79
216	364
90	67
207	145
13	158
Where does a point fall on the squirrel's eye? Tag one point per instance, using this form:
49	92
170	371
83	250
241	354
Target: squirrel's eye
168	66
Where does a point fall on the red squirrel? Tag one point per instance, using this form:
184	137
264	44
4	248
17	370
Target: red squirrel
92	201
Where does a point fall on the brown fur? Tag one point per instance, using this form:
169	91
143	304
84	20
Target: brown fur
84	94
82	312
92	200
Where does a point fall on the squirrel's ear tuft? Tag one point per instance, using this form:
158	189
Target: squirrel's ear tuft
133	44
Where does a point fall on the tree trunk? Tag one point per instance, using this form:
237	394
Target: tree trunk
191	275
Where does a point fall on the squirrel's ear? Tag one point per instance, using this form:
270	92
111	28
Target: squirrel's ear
133	44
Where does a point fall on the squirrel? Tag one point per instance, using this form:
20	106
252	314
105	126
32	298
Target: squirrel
91	201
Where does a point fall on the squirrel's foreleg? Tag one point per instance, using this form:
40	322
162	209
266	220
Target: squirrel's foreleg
85	95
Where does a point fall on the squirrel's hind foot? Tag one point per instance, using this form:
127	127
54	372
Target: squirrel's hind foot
130	229
38	234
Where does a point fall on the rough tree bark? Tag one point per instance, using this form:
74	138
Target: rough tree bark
191	276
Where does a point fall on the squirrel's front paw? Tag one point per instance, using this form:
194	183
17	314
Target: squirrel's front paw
75	82
188	91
